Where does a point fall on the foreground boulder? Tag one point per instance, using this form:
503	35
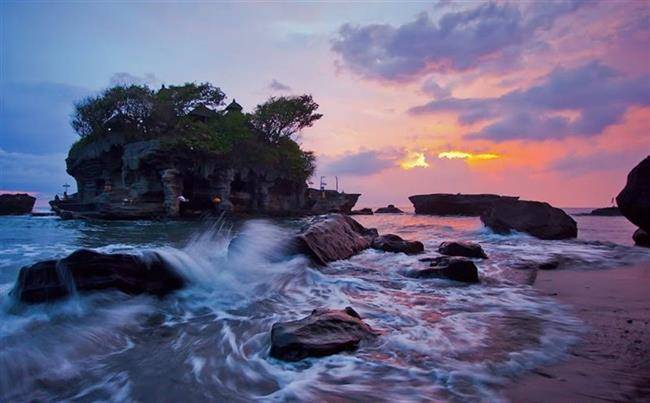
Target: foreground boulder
452	268
87	270
460	248
634	199
390	209
536	218
16	204
641	238
324	332
333	237
455	204
393	243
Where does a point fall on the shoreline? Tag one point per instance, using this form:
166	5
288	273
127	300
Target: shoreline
611	362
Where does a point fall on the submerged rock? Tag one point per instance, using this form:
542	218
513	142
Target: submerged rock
393	243
453	268
16	204
460	248
324	332
333	237
87	270
455	204
634	199
390	209
606	211
536	218
363	211
641	238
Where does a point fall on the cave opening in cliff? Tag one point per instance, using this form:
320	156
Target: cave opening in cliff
196	191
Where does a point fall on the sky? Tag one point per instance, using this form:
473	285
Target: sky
546	100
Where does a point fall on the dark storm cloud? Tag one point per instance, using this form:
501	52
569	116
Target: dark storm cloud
363	163
599	94
459	40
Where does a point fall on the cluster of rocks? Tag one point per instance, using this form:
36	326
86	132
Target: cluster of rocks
390	209
16	204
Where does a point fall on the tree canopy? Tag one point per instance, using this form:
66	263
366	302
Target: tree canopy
283	117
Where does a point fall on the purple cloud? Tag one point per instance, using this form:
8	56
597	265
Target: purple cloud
275	85
363	163
459	41
432	88
599	94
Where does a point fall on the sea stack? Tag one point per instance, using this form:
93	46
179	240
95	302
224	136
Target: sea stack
16	204
455	204
634	199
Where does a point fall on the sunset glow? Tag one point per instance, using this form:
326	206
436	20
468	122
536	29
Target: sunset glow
468	156
414	160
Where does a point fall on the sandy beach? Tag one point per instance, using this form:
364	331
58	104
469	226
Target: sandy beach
612	361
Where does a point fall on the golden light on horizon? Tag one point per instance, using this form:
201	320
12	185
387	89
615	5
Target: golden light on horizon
451	155
414	160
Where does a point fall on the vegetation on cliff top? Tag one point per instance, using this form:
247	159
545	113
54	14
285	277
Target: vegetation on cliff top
190	119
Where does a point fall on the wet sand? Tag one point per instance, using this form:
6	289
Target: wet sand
612	361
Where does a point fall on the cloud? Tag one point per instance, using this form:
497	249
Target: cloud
458	41
363	163
34	173
597	95
125	79
275	85
576	165
432	88
35	117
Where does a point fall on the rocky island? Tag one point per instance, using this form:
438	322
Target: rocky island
16	204
176	152
455	204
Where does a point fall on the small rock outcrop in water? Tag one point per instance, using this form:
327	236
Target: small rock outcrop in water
460	248
324	332
453	268
15	204
87	270
333	237
536	218
641	238
390	209
606	211
363	211
455	204
393	243
634	199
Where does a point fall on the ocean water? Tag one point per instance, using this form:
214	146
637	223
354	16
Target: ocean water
440	340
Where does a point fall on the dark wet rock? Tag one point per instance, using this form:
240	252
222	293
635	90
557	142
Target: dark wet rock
524	275
393	243
87	270
460	248
606	211
634	199
330	201
324	332
333	237
455	204
363	211
390	209
536	218
453	268
16	204
641	238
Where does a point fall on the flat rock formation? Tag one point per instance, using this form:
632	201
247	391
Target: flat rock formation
460	248
634	199
119	179
448	267
324	332
536	218
333	237
394	243
390	209
606	211
363	211
16	204
87	270
455	204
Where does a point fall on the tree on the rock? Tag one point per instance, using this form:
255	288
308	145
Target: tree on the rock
283	117
184	98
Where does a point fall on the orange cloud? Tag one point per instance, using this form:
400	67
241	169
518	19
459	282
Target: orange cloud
467	156
414	160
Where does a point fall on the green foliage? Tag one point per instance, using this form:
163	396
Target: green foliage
263	139
283	117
